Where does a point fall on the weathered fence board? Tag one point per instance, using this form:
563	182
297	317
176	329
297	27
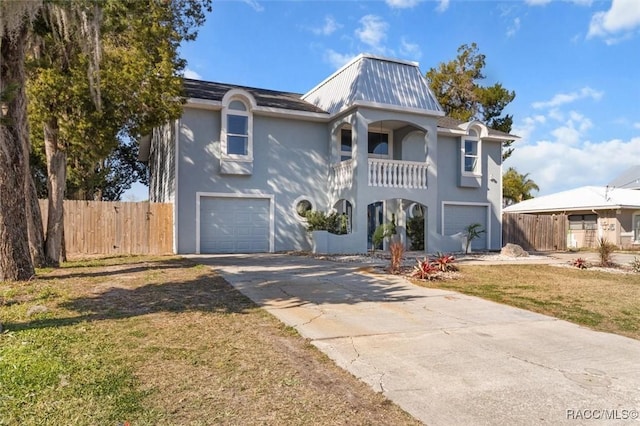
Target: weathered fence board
535	232
106	227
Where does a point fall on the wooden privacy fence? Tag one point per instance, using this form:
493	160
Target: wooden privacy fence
535	232
108	227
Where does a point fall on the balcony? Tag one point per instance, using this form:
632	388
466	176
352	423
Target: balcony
384	173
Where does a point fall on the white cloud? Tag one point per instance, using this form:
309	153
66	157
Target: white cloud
565	98
557	167
329	27
573	130
623	16
636	125
373	31
402	4
546	2
528	126
442	6
587	3
410	50
537	2
188	73
254	4
337	59
513	29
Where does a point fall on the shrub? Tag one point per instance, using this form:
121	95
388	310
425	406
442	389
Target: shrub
415	232
444	262
383	231
425	270
397	254
635	264
320	221
605	249
580	263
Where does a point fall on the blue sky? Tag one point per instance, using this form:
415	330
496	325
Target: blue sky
574	65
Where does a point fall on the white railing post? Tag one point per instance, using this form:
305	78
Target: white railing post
397	174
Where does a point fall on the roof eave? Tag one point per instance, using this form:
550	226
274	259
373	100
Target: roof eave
396	108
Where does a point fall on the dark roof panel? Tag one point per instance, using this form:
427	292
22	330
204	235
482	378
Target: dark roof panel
264	98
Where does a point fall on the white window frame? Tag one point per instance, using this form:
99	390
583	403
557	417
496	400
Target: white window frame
635	225
473	137
226	112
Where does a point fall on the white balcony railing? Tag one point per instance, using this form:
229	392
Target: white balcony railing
397	174
343	174
385	173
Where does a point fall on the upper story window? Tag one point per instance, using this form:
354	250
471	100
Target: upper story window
237	132
471	164
378	145
346	145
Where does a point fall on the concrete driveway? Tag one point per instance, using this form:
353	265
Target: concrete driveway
446	358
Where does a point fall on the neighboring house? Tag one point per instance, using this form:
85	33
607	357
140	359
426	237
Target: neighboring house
629	179
594	212
370	142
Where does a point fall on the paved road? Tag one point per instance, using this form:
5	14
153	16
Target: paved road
446	358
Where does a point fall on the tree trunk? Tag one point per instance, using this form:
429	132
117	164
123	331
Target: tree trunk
56	181
15	259
34	223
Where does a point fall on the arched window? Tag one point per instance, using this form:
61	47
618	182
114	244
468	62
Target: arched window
237	123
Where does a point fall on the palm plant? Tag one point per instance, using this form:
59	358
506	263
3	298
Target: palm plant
517	187
472	232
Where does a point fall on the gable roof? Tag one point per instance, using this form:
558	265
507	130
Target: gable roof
265	98
459	125
629	179
583	198
375	80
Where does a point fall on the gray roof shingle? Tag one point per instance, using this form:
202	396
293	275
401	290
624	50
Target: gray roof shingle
266	98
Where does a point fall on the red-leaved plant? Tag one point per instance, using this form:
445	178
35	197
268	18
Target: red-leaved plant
444	262
425	270
580	263
397	253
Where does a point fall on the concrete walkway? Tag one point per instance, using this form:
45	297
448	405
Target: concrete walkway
446	358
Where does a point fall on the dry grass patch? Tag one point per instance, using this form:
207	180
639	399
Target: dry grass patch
163	341
600	300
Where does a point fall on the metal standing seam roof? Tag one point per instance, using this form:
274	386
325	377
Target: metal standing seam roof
374	79
583	198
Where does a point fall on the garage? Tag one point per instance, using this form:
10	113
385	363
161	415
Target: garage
456	217
235	225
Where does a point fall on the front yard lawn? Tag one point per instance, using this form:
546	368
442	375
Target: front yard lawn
149	341
603	301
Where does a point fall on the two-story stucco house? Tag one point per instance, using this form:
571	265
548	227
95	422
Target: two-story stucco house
370	142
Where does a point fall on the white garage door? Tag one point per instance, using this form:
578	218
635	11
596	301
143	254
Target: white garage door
234	225
458	217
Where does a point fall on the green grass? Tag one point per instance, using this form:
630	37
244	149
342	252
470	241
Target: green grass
54	375
604	301
152	340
